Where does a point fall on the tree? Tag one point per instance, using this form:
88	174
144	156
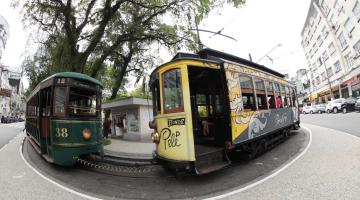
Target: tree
83	36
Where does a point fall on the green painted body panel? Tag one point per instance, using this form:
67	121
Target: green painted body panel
74	75
64	149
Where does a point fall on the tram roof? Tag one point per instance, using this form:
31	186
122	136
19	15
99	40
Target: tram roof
74	75
211	54
219	56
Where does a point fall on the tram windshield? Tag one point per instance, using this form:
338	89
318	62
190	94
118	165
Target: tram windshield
82	102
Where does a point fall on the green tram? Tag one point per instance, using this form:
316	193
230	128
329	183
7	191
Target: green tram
63	117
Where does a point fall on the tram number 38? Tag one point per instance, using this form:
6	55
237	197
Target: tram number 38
61	132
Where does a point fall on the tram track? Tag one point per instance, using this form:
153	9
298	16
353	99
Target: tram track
122	169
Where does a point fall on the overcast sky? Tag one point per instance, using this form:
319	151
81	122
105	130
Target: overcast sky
258	27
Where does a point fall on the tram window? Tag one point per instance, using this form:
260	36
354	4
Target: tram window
60	95
283	96
82	102
156	96
172	91
260	94
247	93
202	107
278	100
45	102
294	98
218	105
270	94
288	96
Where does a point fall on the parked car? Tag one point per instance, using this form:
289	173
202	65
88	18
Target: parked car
349	104
309	109
321	108
357	105
335	105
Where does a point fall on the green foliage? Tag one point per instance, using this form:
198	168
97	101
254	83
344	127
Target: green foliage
109	40
106	141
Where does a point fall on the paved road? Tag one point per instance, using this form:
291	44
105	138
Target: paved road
18	181
9	131
349	122
328	170
162	184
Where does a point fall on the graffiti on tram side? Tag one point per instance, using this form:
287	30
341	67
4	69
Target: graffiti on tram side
280	119
257	123
246	70
171	139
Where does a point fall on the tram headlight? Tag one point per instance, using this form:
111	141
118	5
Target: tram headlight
155	137
86	133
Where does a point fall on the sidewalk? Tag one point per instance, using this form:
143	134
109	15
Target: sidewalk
129	149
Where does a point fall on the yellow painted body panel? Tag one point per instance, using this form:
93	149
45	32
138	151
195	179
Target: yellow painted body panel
175	129
240	119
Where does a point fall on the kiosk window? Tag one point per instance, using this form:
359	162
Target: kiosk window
172	91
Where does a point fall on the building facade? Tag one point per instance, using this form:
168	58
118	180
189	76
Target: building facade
331	43
12	101
4	34
302	85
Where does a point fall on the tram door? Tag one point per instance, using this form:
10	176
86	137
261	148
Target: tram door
44	112
210	119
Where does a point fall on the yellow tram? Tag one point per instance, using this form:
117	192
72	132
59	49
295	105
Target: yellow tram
210	103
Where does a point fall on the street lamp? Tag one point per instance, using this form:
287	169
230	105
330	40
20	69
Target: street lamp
268	52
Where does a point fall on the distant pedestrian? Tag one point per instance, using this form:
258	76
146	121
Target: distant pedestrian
107	127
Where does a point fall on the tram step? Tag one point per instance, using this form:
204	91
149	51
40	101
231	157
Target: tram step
35	145
48	158
211	160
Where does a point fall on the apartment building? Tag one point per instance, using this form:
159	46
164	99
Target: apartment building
302	84
331	43
12	101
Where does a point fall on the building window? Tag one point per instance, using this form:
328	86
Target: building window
325	8
357	48
329	71
337	66
333	21
315	48
318	80
349	25
172	91
319	40
325	56
323	76
356	10
324	32
349	60
331	48
319	62
338	6
342	40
